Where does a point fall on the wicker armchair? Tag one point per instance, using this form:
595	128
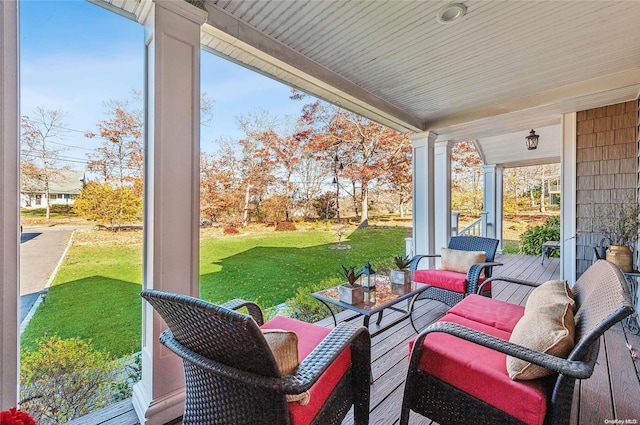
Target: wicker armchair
453	293
231	375
602	299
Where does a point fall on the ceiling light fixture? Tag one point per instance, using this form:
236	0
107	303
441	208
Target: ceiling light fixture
450	13
532	140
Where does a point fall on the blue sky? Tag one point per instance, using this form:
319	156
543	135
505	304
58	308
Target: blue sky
74	56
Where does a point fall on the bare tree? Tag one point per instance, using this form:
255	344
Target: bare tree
42	133
256	164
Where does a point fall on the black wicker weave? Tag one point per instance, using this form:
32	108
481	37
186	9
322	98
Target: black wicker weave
602	299
231	375
463	243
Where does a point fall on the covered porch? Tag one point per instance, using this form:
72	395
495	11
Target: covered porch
489	73
609	394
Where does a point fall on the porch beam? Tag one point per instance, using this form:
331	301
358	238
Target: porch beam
254	50
423	193
172	163
9	205
442	193
568	213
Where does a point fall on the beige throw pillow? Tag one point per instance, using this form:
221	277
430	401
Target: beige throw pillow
550	292
460	261
548	329
284	345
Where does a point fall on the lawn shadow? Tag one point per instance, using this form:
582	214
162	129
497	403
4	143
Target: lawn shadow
105	310
271	275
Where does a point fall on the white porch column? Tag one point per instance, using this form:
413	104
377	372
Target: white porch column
442	195
172	164
423	193
493	192
568	212
9	227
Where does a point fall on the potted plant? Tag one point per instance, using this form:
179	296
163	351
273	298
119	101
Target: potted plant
350	292
620	224
401	275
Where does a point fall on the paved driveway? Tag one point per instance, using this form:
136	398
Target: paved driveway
41	249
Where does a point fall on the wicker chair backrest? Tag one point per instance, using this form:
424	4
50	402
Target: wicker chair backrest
220	334
475	243
602	299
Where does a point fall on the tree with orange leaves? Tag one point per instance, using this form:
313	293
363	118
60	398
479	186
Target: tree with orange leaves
221	194
256	163
367	150
119	160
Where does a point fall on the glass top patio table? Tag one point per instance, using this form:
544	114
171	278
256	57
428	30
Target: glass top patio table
385	296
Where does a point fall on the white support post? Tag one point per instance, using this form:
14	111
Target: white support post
442	195
493	194
172	164
9	212
568	211
423	193
455	218
408	247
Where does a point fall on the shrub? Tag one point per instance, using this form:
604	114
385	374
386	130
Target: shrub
65	379
306	308
283	226
122	386
230	230
531	241
325	206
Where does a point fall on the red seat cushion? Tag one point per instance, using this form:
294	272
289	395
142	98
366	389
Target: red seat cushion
309	336
445	279
495	313
482	373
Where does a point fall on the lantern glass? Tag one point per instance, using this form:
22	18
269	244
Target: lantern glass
368	277
532	140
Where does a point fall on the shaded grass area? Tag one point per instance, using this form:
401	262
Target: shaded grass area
269	269
96	294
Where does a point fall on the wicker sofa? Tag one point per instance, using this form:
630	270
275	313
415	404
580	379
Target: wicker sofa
458	370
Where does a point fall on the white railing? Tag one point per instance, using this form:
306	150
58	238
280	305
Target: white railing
477	228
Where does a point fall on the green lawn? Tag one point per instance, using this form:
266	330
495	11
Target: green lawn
96	293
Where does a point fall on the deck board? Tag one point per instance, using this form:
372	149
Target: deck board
612	392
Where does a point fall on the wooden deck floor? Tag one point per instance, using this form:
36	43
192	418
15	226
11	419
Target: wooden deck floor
613	392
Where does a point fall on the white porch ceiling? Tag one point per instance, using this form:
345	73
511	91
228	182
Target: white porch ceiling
505	67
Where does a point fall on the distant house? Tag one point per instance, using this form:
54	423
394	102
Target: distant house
63	189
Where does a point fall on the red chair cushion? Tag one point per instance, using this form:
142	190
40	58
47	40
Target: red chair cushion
489	311
445	279
482	373
309	336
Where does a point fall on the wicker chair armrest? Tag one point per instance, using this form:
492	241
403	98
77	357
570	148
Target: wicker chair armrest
571	368
473	275
254	309
317	362
307	374
509	280
417	258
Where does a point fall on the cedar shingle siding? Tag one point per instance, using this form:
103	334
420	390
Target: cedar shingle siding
607	164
